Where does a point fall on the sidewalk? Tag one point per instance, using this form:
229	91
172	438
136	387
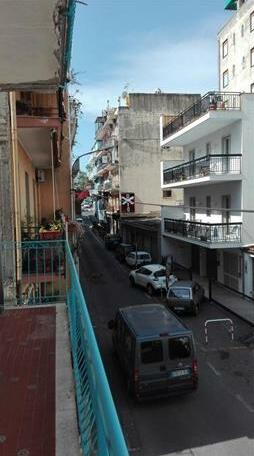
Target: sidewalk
234	302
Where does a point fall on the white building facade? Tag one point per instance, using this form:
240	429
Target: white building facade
236	48
212	232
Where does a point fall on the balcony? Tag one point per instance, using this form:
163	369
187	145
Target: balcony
47	274
29	115
213	111
205	234
207	169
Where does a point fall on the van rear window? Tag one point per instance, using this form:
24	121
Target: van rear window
179	347
151	352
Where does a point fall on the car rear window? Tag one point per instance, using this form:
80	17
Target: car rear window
179	347
151	352
160	273
183	293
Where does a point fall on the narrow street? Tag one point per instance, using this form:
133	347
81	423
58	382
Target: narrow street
218	418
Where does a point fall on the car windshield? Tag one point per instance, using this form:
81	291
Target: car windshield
179	347
160	273
183	293
151	352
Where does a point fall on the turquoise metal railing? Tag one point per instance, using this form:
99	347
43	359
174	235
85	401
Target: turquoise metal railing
100	429
40	272
46	273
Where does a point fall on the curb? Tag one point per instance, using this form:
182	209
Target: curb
232	312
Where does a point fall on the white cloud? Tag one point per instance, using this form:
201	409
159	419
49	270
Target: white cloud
156	62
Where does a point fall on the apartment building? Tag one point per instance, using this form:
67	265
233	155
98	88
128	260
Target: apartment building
35	144
213	231
128	165
236	48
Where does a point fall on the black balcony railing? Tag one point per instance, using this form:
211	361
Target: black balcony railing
212	101
206	232
24	108
204	166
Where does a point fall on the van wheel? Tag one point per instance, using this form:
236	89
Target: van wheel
150	290
132	282
195	309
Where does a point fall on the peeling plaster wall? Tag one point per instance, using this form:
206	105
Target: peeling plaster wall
33	43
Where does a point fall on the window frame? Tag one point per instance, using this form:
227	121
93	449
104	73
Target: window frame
252	57
252	21
225	73
166	191
225	48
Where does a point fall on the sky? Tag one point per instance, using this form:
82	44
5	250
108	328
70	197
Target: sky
141	46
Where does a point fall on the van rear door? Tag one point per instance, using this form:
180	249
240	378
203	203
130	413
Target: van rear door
152	371
181	362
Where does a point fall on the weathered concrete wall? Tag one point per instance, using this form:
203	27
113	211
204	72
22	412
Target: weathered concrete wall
6	200
139	147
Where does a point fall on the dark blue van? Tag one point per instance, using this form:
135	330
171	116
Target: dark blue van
156	351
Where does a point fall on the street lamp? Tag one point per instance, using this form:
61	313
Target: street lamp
88	153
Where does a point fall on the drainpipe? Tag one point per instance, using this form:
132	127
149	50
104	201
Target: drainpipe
53	174
70	151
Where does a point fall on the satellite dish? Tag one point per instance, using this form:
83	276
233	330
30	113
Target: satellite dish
124	94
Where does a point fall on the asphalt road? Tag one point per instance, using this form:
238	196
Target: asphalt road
217	420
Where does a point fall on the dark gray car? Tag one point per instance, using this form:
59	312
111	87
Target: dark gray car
185	296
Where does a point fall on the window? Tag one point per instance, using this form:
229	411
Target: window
233	71
166	193
225	78
252	57
208	206
243	62
224	48
179	347
144	271
151	352
242	30
160	273
252	88
180	293
252	21
233	39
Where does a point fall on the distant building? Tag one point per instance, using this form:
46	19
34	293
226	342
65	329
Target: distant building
128	162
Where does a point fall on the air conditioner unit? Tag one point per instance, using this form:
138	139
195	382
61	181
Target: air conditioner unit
40	175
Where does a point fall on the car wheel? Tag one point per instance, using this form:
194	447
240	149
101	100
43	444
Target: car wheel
150	289
132	282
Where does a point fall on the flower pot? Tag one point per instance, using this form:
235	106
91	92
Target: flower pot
50	235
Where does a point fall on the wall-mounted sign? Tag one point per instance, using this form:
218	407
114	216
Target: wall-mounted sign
127	202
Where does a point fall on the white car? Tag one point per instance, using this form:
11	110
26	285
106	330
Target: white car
151	277
138	258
